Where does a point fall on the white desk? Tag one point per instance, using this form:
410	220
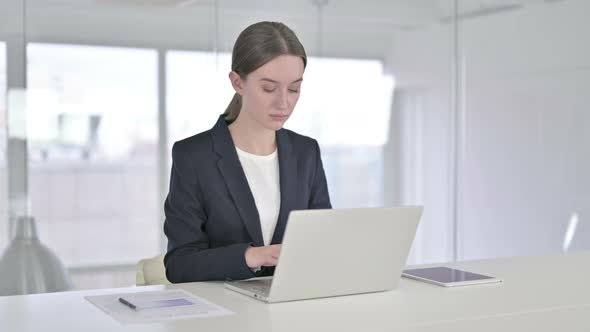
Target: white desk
549	293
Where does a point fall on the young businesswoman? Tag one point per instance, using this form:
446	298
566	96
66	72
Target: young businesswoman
232	187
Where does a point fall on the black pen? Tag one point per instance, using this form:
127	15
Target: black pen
127	303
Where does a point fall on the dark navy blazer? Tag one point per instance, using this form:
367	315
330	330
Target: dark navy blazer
211	216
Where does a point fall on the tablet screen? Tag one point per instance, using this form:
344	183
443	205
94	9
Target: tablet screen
445	274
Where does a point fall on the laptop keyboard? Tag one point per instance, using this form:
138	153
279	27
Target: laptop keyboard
261	287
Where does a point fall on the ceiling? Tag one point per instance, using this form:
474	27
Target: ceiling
405	13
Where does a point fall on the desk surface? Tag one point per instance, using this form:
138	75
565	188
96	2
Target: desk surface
547	293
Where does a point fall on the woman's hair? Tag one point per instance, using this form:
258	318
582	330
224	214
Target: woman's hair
256	45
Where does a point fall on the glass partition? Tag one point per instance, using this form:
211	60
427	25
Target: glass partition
473	109
526	179
3	153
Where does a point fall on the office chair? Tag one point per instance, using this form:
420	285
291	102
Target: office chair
151	271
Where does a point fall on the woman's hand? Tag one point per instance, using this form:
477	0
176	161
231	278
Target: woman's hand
263	256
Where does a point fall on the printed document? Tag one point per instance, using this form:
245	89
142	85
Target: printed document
154	306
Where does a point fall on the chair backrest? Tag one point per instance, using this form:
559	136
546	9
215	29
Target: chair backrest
151	271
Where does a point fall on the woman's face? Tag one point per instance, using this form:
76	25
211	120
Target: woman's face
270	93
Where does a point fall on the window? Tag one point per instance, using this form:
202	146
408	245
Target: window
352	130
92	129
198	91
345	104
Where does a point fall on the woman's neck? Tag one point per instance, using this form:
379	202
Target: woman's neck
251	137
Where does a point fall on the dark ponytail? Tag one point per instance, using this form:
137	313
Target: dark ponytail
233	109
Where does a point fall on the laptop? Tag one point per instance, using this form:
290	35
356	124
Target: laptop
337	252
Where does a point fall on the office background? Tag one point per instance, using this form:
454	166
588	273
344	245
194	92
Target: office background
476	109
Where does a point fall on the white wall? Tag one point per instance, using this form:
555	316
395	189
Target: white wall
527	141
420	147
419	151
524	102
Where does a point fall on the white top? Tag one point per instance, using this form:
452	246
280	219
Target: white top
262	173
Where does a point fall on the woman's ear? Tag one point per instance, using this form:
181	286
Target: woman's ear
236	82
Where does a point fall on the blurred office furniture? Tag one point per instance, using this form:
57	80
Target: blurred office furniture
28	267
76	134
577	232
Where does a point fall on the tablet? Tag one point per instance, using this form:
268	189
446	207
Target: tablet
444	276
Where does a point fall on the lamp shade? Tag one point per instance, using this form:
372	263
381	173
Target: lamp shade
29	267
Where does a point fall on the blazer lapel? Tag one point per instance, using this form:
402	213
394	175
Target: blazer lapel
235	180
288	183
